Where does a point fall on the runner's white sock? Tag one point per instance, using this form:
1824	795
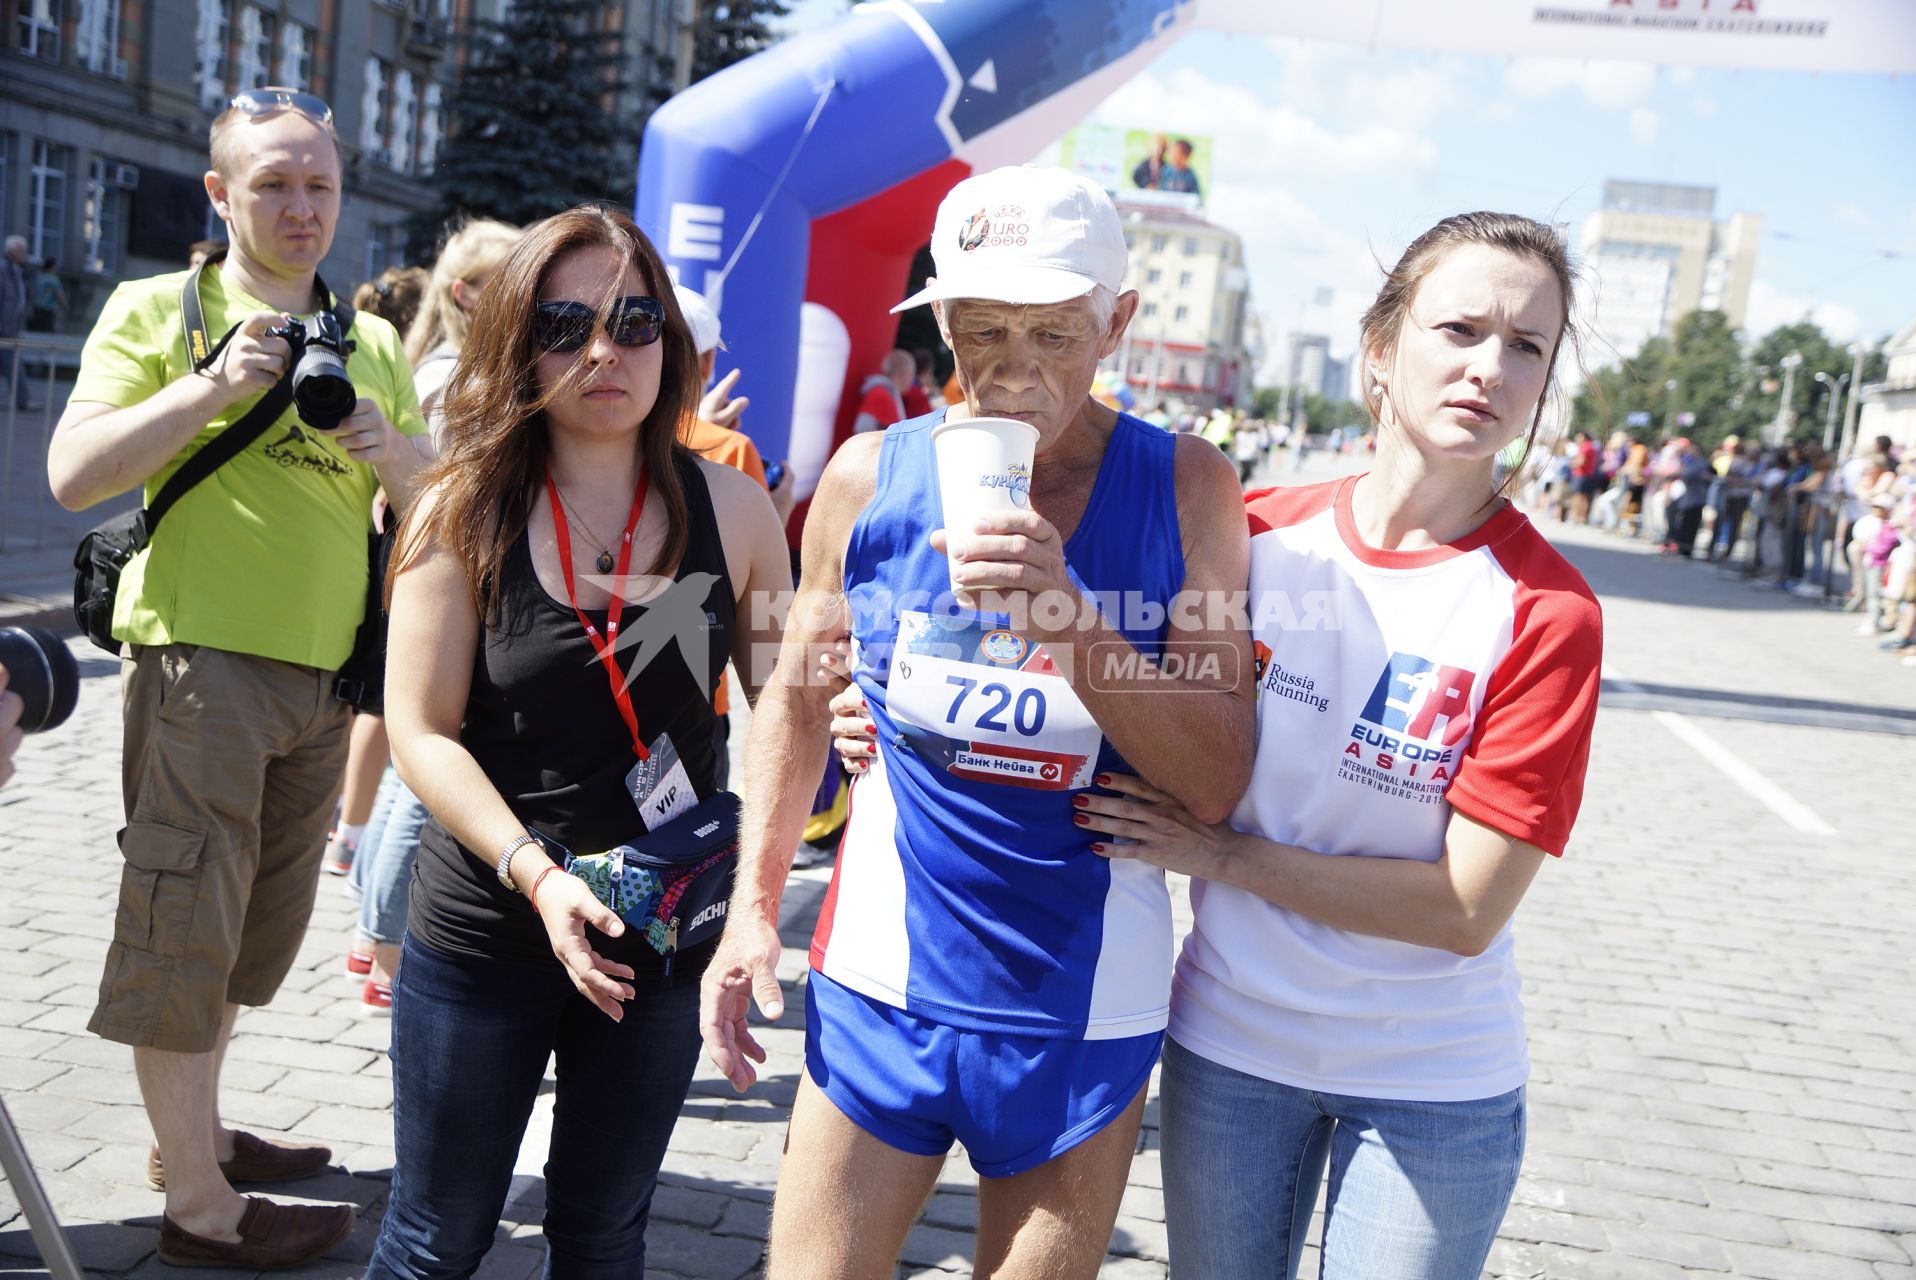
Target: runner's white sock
350	834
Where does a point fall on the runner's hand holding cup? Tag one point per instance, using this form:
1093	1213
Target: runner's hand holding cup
992	539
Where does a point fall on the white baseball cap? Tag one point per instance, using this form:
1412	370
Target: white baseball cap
703	321
1024	235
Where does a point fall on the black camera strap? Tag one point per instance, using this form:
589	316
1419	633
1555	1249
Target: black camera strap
231	442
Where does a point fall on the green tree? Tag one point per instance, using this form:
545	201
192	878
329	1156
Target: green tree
1265	402
1730	391
550	71
732	30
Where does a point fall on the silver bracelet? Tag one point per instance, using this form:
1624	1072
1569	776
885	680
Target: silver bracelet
505	859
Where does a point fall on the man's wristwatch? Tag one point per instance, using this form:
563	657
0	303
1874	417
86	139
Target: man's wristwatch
505	859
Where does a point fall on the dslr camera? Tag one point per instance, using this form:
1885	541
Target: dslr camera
322	392
43	672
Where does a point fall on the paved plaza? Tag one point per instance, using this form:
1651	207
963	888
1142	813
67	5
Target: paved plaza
1718	977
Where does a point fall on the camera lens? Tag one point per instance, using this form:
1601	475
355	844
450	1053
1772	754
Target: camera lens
322	391
41	669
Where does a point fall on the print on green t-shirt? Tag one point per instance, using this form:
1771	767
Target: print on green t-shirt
267	556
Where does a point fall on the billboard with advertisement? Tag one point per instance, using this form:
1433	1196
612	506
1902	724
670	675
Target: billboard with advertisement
1141	165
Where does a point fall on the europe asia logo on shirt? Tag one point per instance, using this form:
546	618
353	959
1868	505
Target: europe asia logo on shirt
1406	740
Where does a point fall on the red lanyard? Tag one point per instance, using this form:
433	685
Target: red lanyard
605	647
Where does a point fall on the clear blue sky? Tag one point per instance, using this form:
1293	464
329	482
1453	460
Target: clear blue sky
1326	154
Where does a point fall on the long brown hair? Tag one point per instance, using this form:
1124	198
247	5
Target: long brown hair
1510	232
496	442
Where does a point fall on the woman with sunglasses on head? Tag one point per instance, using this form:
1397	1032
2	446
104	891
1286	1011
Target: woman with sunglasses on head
562	513
1427	671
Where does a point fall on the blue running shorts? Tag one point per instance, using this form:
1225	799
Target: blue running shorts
1014	1101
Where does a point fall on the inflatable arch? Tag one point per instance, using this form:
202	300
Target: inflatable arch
795	188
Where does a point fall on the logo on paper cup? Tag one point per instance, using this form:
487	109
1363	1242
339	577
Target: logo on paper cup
1015	480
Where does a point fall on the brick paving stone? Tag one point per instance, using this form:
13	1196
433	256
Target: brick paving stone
1851	1242
1767	1263
1678	1248
701	1254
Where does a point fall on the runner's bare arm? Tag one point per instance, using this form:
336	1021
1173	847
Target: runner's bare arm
785	754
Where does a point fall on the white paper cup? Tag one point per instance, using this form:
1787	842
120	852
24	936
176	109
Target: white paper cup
984	464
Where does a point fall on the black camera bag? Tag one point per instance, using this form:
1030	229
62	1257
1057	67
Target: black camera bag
109	547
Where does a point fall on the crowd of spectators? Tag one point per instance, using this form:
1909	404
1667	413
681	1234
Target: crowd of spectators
1789	516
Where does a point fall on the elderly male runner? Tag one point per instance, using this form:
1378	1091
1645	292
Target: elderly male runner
978	974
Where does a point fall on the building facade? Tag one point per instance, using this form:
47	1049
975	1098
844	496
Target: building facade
1656	252
1889	406
1190	345
105	104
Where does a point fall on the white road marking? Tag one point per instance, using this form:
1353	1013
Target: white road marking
1778	801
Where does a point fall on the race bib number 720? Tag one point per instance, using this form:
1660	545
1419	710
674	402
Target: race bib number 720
986	704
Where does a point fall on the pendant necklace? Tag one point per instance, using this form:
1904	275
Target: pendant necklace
605	560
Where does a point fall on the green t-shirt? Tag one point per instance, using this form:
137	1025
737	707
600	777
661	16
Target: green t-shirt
266	556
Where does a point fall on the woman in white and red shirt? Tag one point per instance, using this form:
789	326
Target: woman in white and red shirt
1428	671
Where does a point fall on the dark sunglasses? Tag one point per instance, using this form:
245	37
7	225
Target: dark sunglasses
637	321
264	102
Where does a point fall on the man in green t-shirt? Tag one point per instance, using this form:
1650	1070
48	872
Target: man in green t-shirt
234	620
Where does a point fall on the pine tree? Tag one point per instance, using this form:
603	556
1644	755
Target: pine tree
730	31
531	122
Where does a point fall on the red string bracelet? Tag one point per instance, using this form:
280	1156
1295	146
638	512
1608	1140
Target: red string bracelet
538	880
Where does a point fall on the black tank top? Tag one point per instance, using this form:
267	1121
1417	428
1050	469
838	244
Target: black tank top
541	722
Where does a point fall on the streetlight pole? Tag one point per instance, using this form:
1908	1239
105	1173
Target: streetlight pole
1669	406
1855	392
1785	414
1835	386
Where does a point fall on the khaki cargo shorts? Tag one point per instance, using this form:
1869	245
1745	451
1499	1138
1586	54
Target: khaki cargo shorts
231	767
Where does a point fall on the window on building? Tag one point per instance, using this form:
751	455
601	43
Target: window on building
38	32
209	39
1150	309
1182	313
96	40
372	111
1184	373
385	246
103	216
255	49
1184	279
47	211
1153	276
1190	246
405	106
430	123
1158	243
295	55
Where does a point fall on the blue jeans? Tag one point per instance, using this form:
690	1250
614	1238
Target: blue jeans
386	856
389	785
1417	1189
469	1045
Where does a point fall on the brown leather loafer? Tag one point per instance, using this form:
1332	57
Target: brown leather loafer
272	1235
254	1160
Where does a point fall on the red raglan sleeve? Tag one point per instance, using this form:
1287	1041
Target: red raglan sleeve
1523	773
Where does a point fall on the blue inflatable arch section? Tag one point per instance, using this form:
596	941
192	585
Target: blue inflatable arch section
735	172
793	188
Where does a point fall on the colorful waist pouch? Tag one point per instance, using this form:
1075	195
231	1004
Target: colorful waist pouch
672	885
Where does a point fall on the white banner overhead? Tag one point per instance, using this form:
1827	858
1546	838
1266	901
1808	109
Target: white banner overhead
1783	35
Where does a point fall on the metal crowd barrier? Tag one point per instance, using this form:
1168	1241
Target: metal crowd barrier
37	368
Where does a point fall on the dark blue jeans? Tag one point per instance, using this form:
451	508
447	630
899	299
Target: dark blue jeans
469	1047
